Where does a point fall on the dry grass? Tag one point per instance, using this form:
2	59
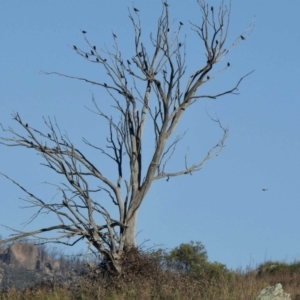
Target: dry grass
145	280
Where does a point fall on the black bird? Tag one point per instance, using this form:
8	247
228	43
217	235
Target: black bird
86	55
105	84
228	64
84	32
166	4
181	23
242	37
168	29
212	8
128	62
26	125
49	136
135	9
217	42
75	47
114	35
105	59
92	52
31	143
94	48
97	59
207	77
179	44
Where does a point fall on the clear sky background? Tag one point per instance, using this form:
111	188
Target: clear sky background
223	205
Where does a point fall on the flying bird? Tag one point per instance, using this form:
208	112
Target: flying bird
135	9
75	47
83	31
242	37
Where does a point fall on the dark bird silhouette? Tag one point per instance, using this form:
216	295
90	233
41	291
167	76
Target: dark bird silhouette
105	84
181	23
83	31
92	52
26	125
242	37
75	47
114	35
217	42
86	55
212	8
94	48
228	64
49	135
166	4
97	59
135	9
264	190
168	29
207	77
179	44
105	59
31	143
128	62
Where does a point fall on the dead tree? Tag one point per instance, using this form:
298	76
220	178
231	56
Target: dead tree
168	93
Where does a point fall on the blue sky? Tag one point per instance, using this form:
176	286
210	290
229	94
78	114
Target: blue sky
223	205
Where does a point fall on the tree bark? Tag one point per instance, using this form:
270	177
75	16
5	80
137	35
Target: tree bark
129	234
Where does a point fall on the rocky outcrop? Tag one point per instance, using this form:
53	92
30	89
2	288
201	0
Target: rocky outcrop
22	255
273	293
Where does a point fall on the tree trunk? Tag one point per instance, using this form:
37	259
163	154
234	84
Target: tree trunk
129	235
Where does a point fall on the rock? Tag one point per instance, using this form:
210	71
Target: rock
273	293
22	255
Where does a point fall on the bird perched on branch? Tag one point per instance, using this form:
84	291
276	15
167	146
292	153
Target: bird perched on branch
181	23
135	9
83	31
75	47
228	64
242	37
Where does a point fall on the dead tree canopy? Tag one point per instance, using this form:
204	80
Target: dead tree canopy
150	85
